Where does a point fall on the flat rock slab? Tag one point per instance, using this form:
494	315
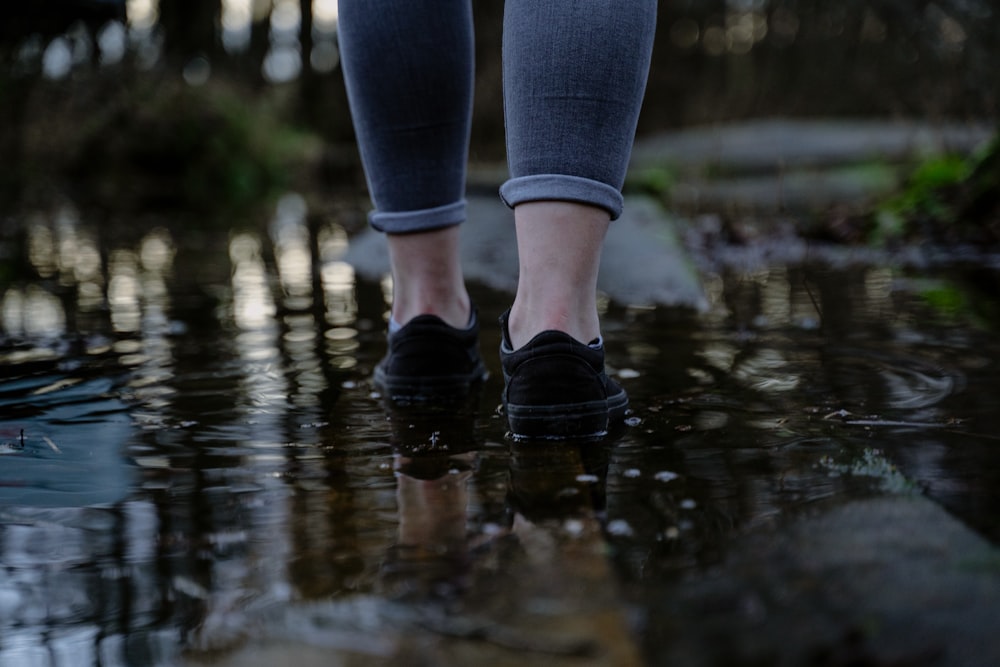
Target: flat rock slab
887	581
792	192
779	144
643	261
776	166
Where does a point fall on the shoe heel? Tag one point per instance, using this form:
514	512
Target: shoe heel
585	421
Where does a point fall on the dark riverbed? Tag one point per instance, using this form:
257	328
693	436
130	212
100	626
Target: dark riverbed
189	441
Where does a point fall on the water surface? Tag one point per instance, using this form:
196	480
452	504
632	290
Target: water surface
191	452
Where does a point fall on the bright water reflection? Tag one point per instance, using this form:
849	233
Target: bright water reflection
190	450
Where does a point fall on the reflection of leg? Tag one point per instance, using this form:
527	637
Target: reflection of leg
408	67
430	557
555	497
432	511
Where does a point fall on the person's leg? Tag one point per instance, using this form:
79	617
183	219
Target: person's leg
574	78
427	276
408	68
559	251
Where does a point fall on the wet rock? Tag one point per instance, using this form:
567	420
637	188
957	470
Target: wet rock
886	581
775	144
643	261
780	166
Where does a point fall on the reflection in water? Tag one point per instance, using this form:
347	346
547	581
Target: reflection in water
909	389
202	449
72	549
253	307
33	312
292	251
123	292
430	555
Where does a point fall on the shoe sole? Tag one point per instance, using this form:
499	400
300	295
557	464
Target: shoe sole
570	421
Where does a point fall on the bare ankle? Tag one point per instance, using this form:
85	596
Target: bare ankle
427	277
454	309
559	252
525	322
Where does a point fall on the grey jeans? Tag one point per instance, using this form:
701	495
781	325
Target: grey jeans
574	74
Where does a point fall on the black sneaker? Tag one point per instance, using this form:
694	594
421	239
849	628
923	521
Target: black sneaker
555	388
429	360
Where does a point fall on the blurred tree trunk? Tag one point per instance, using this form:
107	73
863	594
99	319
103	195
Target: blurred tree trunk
260	40
190	28
306	35
308	81
15	91
488	123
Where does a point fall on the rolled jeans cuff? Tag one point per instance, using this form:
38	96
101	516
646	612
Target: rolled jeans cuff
423	220
558	187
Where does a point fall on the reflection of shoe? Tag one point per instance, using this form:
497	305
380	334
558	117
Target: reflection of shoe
428	359
555	387
557	480
423	429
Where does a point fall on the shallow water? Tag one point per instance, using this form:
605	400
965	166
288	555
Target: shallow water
189	442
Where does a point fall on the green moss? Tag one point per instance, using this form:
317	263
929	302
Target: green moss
656	181
946	299
873	464
923	197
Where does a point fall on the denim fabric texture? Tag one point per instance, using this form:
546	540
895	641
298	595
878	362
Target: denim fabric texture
408	68
574	76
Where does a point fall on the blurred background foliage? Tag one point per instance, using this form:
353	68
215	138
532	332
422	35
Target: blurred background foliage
217	105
